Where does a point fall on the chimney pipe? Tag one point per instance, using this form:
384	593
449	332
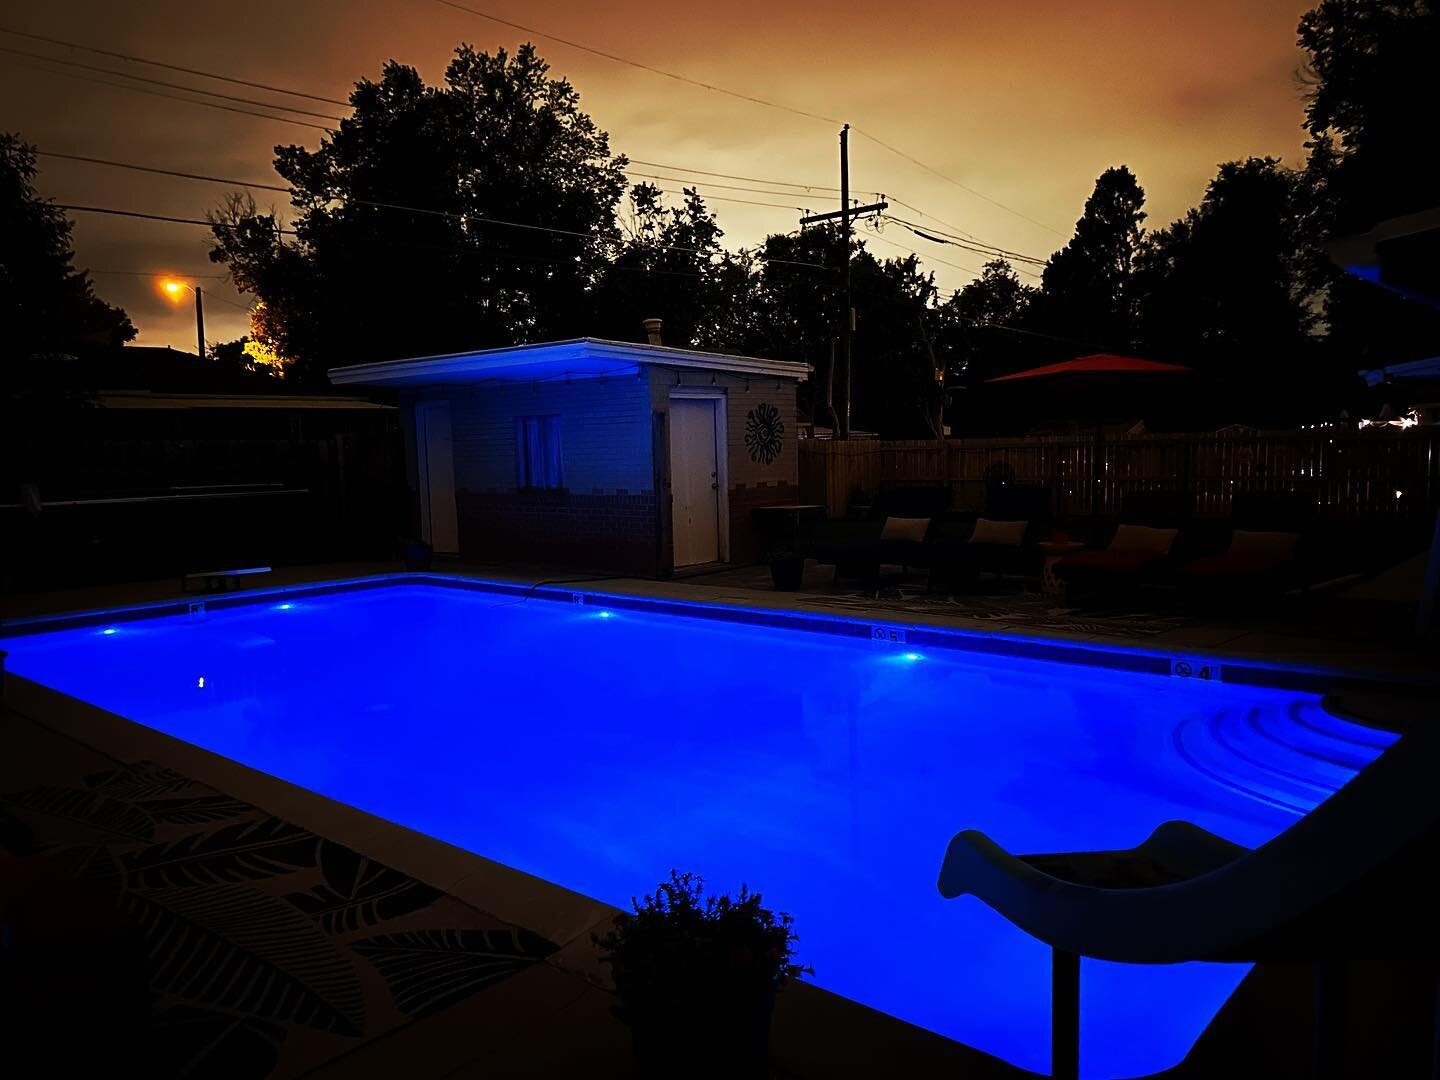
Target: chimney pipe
652	331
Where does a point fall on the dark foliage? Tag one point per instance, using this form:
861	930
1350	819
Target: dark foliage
681	945
46	305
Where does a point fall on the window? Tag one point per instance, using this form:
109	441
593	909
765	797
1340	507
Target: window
537	453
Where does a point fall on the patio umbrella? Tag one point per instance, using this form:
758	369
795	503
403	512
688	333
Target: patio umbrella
1086	376
1097	364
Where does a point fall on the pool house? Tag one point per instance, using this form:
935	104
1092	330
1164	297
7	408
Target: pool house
593	453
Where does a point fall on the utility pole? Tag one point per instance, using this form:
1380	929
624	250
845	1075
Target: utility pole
200	322
847	356
846	214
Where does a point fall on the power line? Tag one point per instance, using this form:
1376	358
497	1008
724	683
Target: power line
753	179
171	97
724	187
637	64
951	180
753	99
163	172
928	258
978	246
171	67
115	212
978	249
164	82
469	219
335	101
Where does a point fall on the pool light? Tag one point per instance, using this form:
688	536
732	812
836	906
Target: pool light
911	657
605	614
109	630
283	607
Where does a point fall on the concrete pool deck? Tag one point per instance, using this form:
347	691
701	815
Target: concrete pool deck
554	1018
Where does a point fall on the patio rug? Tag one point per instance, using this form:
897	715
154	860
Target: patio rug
1025	611
269	949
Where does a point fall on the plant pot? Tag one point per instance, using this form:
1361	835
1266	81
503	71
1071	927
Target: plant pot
710	1040
787	572
417	554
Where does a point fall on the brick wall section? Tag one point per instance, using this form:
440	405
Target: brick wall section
588	532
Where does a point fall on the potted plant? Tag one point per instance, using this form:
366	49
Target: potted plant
697	976
416	553
787	570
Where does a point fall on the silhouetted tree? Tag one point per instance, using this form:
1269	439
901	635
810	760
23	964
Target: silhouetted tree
500	142
1228	289
1085	290
1372	124
1371	114
46	305
673	267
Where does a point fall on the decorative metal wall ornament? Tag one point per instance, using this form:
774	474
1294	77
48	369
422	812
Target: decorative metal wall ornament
764	431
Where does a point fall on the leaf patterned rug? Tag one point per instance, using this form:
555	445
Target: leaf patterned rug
269	949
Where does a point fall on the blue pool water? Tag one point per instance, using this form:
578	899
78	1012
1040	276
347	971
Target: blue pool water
599	749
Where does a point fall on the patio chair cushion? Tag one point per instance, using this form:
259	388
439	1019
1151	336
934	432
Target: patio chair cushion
1270	545
1143	540
905	528
1010	533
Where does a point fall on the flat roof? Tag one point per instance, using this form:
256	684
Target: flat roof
577	358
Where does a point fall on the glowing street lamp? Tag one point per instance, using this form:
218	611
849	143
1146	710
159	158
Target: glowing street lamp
175	289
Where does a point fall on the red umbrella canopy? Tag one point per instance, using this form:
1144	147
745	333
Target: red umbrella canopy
1096	364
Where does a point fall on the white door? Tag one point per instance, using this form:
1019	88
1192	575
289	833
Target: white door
438	525
694	481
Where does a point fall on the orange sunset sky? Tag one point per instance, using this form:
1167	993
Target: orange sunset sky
1025	101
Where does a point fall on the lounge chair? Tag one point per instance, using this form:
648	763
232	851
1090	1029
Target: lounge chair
1135	555
1258	565
1002	540
1350	879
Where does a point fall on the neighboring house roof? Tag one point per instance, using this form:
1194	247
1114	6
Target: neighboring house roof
165	370
145	399
576	358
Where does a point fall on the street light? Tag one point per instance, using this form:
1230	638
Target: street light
175	289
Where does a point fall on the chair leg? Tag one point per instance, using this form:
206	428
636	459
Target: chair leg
1064	1015
1435	1036
1331	986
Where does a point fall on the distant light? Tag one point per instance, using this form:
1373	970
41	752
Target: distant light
174	289
200	683
1399	494
109	630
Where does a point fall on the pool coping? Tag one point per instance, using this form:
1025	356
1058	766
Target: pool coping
911	630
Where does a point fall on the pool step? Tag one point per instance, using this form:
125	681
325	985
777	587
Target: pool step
1291	759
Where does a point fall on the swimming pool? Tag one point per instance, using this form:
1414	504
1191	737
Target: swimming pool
599	746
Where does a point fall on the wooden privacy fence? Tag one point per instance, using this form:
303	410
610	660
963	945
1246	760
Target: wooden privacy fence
1366	474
